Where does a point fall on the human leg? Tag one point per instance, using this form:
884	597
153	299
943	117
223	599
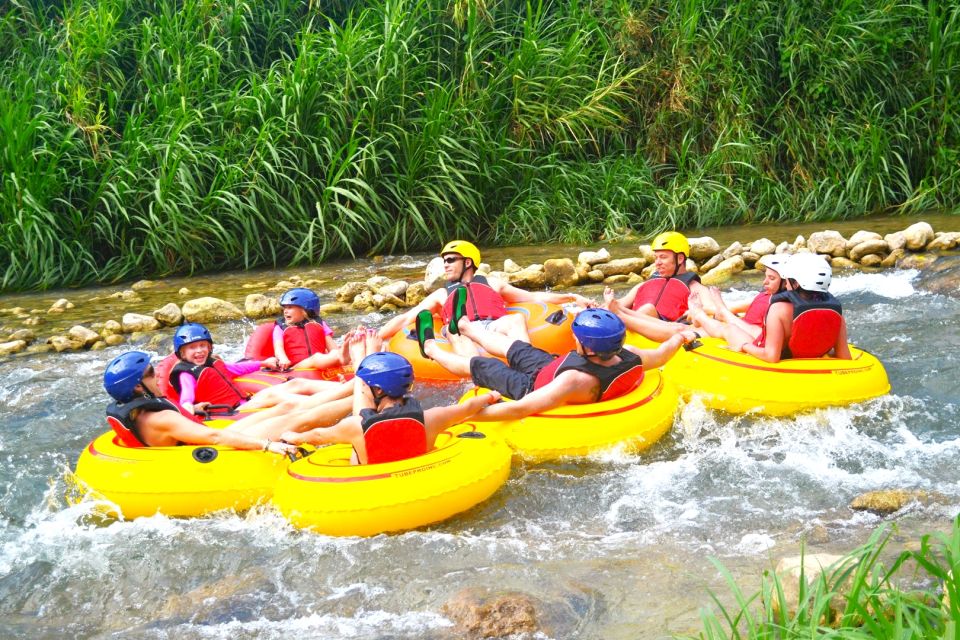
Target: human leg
452	362
492	342
512	325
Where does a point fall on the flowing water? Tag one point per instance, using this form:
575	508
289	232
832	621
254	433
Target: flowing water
614	547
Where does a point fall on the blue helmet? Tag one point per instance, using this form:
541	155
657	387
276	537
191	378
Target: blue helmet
600	331
188	333
390	372
302	297
124	373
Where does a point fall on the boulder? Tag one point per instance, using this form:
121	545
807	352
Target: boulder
871	260
617	279
896	240
375	282
648	271
783	247
363	301
634	278
505	614
61	304
22	334
169	315
416	293
560	272
842	263
944	241
595	275
284	285
331	307
11	347
349	291
183	291
433	275
873	245
621	266
723	271
828	242
483	269
111	327
532	277
509	266
114	339
917	236
140	285
646	252
99	345
383	300
917	261
397	288
860	237
257	305
209	309
83	335
762	247
138	322
942	277
811	566
712	262
62	343
734	249
798	243
749	259
894	257
591	258
890	501
703	248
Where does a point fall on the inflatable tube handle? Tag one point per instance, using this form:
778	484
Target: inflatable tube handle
557	317
693	345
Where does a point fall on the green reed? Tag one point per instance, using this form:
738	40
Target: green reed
915	596
149	137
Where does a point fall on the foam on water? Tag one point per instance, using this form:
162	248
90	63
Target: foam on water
894	285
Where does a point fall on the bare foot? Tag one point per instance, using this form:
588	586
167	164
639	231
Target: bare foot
358	349
373	342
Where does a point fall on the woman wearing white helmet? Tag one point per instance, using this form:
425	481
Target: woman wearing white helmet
730	326
805	321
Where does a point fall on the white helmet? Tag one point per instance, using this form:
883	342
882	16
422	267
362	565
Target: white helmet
811	271
775	261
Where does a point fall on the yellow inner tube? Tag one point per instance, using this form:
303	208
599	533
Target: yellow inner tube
635	420
175	481
327	494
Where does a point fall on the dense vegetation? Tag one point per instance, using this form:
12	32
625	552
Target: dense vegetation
861	598
162	136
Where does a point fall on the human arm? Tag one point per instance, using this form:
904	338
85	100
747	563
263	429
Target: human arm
283	362
778	316
567	388
169	427
248	366
188	391
841	349
433	302
653	358
439	418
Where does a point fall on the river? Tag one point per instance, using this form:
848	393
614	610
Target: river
615	547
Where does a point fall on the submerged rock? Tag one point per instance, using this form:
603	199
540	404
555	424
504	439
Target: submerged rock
11	347
492	617
942	277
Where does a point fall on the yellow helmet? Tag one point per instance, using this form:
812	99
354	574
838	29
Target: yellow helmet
672	241
464	248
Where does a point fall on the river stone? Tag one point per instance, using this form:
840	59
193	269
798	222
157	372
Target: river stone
646	252
648	271
505	614
396	288
259	286
11	347
127	295
894	257
842	263
890	501
433	275
712	262
617	279
62	304
798	243
140	285
183	291
871	260
828	242
375	282
811	565
99	345
509	266
363	301
919	261
350	291
532	277
284	285
132	322
860	237
111	327
917	236
416	293
595	275
622	266
591	258
749	258
169	315
723	271
331	307
559	272
873	245
209	309
382	300
942	277
944	241
32	321
734	249
257	305
64	343
783	248
762	247
114	339
703	248
83	335
896	240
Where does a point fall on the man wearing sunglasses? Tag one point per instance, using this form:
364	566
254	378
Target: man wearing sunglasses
478	298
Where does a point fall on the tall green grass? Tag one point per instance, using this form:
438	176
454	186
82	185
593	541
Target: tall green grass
150	137
914	596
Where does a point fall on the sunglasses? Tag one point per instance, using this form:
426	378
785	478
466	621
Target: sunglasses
451	260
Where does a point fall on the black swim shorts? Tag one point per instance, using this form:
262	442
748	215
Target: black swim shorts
514	379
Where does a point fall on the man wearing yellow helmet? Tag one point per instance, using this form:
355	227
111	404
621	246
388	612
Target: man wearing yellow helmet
652	308
477	298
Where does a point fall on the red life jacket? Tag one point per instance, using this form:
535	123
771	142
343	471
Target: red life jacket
670	295
396	433
483	303
615	380
214	382
816	324
302	340
757	310
119	419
